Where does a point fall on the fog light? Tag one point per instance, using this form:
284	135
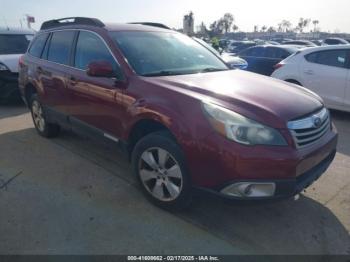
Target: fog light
249	189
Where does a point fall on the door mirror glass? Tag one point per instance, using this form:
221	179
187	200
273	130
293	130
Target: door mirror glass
100	69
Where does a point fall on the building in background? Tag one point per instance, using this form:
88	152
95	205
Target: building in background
188	24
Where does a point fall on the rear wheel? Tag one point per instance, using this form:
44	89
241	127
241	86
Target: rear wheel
44	128
160	167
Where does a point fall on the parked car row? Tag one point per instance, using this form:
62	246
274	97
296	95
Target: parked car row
185	119
262	59
232	61
13	44
324	70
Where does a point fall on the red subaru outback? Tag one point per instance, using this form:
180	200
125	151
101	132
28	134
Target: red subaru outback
184	118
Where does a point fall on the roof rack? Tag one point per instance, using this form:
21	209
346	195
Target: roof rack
71	21
151	24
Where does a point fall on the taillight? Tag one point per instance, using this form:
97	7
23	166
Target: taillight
21	61
278	66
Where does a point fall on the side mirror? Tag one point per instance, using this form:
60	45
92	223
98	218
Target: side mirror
100	69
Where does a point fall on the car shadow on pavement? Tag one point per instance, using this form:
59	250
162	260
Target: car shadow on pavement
341	121
304	226
13	109
285	227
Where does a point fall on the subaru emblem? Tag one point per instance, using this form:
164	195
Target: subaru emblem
317	122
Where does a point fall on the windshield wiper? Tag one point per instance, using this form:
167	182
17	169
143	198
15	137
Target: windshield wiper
160	73
211	69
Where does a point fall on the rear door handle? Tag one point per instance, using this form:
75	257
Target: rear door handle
39	70
309	72
72	81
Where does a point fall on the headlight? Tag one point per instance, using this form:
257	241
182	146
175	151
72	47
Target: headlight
241	129
3	67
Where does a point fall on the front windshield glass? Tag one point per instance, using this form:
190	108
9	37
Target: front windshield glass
163	53
206	45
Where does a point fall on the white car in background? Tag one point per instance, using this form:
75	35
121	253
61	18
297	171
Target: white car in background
13	44
324	70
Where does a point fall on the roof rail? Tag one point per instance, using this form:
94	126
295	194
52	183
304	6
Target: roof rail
151	24
71	21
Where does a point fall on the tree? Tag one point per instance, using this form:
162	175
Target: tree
235	28
280	27
263	29
271	30
223	25
216	28
227	21
286	25
303	23
256	28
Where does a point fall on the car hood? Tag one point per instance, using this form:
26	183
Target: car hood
264	99
11	61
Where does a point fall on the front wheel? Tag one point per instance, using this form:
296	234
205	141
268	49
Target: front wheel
160	167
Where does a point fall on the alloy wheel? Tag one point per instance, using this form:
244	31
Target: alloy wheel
38	116
160	174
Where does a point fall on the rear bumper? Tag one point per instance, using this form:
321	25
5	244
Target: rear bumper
284	188
9	86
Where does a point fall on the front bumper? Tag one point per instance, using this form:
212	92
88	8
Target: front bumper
291	170
284	188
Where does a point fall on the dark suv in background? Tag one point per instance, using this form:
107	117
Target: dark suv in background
176	109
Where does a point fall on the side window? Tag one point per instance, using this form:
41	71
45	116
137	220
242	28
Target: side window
258	52
247	52
272	52
312	57
280	53
60	46
336	58
91	48
38	44
253	51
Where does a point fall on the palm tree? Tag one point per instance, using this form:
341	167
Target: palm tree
286	25
263	29
303	23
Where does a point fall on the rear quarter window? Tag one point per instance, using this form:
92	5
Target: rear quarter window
334	58
38	44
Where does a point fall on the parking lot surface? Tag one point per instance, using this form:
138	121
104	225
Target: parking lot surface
70	195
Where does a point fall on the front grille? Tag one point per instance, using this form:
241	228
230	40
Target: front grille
309	130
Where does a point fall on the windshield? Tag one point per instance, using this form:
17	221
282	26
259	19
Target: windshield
206	45
163	53
14	44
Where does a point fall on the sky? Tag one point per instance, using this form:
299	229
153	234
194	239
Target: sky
332	14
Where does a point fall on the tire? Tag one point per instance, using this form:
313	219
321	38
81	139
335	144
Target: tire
159	164
41	124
